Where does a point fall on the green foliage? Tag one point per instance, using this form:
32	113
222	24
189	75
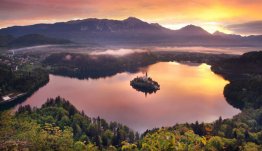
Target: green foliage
244	73
22	80
62	115
79	146
229	134
215	143
58	125
251	147
128	147
164	139
23	133
245	93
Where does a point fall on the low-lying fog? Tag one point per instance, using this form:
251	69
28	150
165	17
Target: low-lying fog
119	51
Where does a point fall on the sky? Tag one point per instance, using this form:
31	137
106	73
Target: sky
229	16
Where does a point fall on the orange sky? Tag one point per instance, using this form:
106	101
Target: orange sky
210	14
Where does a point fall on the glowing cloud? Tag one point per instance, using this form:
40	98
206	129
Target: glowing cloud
170	13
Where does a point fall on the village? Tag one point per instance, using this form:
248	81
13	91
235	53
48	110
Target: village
13	66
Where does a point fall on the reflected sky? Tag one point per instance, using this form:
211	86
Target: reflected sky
187	93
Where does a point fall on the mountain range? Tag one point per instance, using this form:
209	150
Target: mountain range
131	31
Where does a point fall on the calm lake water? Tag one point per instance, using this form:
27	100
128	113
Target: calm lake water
187	93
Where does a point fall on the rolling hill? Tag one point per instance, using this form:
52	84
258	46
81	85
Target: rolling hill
29	40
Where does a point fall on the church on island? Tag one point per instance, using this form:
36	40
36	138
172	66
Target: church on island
145	84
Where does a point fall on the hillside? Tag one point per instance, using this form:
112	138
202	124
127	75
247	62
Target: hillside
5	40
29	40
244	73
58	125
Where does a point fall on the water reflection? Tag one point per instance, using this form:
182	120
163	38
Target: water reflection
188	93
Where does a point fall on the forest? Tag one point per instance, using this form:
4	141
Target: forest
245	76
22	81
58	125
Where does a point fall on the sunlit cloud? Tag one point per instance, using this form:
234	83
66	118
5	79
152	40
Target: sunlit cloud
169	13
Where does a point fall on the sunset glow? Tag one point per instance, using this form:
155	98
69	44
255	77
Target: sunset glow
210	15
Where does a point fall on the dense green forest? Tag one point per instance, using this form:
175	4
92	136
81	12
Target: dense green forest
21	81
245	76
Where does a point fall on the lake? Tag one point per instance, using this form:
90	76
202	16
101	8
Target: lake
187	93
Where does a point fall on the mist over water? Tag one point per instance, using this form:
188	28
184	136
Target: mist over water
213	50
120	51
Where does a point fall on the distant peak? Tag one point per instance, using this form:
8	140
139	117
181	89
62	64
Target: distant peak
218	33
193	30
132	19
192	27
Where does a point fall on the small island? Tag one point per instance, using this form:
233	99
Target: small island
145	84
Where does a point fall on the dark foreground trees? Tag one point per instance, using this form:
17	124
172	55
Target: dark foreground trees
58	125
245	76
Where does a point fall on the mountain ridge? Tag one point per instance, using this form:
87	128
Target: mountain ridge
131	31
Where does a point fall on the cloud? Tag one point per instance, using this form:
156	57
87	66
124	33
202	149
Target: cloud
253	27
25	12
118	52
